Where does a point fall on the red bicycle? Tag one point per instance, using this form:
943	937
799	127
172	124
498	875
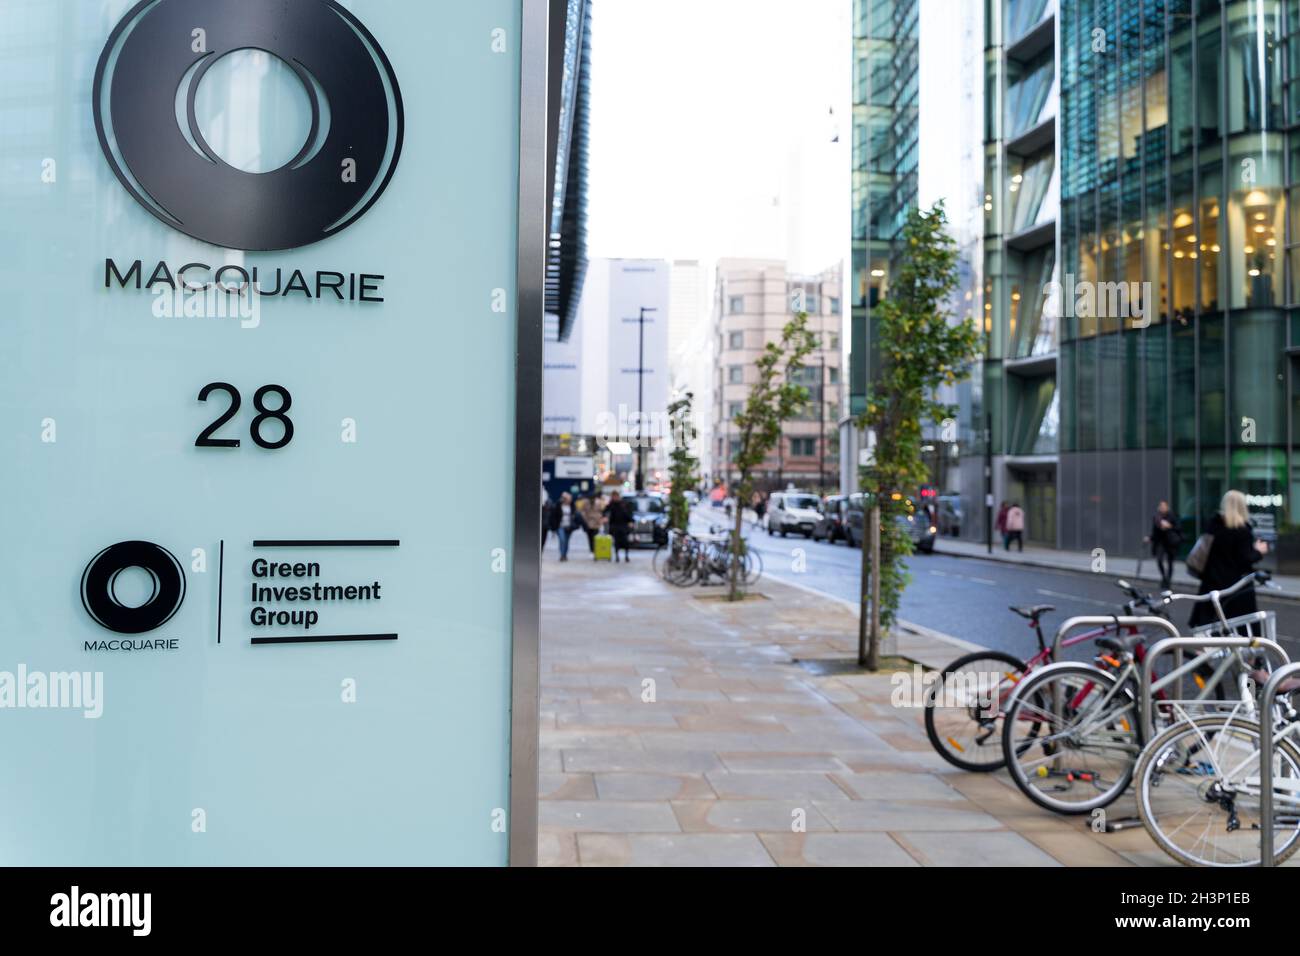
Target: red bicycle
964	705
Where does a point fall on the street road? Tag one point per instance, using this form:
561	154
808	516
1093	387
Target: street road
968	597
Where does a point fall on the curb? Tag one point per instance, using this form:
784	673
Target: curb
906	626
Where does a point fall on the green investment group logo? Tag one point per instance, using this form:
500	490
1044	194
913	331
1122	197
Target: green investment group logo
144	107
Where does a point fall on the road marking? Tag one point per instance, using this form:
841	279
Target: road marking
1073	597
982	581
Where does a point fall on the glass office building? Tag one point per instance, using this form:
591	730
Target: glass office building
1177	172
885	81
1016	403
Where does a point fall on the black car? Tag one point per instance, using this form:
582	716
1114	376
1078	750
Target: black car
830	526
649	520
916	519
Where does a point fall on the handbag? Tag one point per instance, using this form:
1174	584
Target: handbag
1199	556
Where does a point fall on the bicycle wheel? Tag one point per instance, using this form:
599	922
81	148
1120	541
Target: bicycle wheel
680	566
753	566
963	709
1198	793
1068	748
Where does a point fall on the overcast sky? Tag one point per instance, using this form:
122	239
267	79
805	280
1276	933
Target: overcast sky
711	131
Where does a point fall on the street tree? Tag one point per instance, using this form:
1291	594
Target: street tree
921	347
774	398
681	470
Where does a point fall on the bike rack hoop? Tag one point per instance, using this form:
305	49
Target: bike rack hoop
1179	643
1100	620
1266	760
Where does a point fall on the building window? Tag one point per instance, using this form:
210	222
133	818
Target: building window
735	340
733	409
736	304
835	305
834	373
803	447
834	342
735	374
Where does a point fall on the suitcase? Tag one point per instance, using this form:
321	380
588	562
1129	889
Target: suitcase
604	547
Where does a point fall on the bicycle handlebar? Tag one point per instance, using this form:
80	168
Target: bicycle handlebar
1255	577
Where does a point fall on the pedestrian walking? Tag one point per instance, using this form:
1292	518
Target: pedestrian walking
1234	550
1001	525
547	506
564	520
1015	527
759	504
619	521
590	517
1165	538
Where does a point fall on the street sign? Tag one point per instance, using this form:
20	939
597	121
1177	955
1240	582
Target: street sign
269	572
574	467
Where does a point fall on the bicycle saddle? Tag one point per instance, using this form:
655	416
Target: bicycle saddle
1120	643
1033	611
1261	676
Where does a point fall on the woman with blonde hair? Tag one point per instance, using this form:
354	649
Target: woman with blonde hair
1233	555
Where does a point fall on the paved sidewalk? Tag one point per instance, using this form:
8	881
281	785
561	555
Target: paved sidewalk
1035	556
677	730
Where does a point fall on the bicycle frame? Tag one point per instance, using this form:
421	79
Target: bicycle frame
1177	644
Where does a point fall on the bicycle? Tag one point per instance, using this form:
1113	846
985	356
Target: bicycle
963	708
691	559
1198	782
1073	732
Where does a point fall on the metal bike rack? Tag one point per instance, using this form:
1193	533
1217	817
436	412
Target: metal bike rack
1266	760
1098	620
1178	644
1119	621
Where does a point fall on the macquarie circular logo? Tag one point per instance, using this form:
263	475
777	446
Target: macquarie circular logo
144	102
99	580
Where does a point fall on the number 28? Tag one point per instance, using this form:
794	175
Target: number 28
206	439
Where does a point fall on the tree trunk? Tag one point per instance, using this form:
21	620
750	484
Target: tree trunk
864	588
873	649
733	593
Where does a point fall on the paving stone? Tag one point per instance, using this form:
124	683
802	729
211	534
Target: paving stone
751	815
658	761
904	815
974	849
685	849
608	816
652	786
793	762
566	786
836	849
774	786
899	786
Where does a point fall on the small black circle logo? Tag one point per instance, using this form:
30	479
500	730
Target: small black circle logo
144	96
100	576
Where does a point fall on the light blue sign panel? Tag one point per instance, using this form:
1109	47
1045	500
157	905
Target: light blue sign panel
389	743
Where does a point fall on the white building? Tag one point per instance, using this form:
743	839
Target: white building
690	349
612	372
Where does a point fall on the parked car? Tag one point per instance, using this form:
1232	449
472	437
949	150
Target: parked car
830	524
916	519
649	520
796	511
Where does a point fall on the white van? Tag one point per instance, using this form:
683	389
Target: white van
792	511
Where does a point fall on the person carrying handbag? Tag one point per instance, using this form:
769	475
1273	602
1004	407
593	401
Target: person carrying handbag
1225	554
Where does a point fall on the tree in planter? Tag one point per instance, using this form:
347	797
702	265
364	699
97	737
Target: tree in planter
682	469
773	399
920	349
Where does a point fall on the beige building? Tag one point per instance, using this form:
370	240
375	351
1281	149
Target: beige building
753	299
